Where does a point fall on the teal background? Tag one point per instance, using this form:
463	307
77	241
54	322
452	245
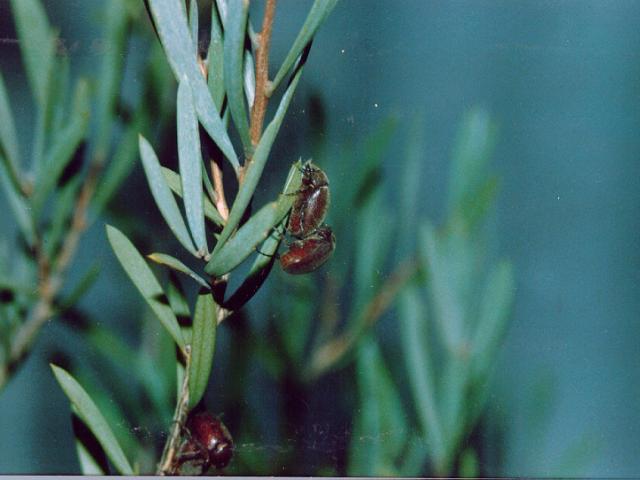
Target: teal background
561	79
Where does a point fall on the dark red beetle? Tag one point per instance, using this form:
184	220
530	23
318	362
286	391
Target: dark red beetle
312	201
208	443
307	254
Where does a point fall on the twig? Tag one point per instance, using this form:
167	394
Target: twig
262	74
52	278
329	354
166	465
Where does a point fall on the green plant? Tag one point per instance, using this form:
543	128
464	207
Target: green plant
211	90
78	158
449	343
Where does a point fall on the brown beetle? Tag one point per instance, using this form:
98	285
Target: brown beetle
307	254
312	201
208	443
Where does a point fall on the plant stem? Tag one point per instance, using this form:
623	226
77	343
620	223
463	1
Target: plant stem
166	465
328	355
52	278
262	74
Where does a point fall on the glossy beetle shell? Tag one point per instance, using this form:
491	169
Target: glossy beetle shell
309	253
209	444
312	201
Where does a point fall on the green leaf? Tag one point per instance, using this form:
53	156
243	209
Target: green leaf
382	424
172	27
215	60
116	21
82	286
256	230
162	195
88	464
234	36
320	10
413	318
193	23
448	308
18	204
144	280
259	160
156	360
120	165
494	316
171	262
471	155
9	138
190	159
246	239
412	182
203	344
65	145
175	184
91	416
37	43
258	273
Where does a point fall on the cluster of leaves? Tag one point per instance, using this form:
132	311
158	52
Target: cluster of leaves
448	367
215	85
80	152
319	350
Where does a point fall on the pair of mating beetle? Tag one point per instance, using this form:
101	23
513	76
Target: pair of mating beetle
314	241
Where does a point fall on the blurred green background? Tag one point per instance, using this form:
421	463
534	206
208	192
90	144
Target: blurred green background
561	80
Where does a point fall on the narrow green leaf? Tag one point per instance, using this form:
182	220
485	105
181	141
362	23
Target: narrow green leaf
175	184
172	27
91	416
414	458
116	21
9	138
18	204
37	43
144	280
383	426
234	36
215	60
258	272
162	195
413	317
471	154
320	10
256	230
65	145
494	315
58	111
82	286
412	182
246	239
177	297
448	308
203	344
156	360
264	261
88	464
254	171
193	23
190	159
120	165
171	262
